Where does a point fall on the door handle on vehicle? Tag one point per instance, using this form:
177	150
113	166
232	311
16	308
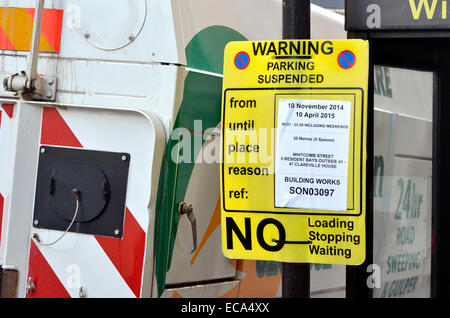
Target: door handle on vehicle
188	210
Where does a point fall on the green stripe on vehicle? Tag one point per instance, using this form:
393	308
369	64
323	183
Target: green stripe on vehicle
205	50
201	101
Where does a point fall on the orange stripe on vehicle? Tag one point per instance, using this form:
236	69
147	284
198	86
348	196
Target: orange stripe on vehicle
16	25
176	295
51	27
253	286
5	42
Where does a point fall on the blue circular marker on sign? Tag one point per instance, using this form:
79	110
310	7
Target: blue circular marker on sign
346	59
242	60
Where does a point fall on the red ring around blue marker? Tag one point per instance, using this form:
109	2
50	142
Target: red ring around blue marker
346	59
242	60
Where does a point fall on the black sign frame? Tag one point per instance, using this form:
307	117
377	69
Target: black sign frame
423	50
396	15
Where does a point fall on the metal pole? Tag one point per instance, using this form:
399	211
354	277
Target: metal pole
31	72
30	81
296	25
296	19
356	276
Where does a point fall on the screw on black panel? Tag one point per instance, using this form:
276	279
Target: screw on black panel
36	237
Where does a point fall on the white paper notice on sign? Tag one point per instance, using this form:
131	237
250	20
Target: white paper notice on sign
312	154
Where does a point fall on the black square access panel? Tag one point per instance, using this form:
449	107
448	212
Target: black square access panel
99	181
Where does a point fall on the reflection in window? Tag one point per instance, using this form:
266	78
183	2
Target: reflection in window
402	181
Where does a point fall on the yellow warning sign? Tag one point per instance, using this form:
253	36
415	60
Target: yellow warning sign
294	151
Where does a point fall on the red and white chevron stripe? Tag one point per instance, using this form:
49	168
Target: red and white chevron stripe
108	267
6	114
1	196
